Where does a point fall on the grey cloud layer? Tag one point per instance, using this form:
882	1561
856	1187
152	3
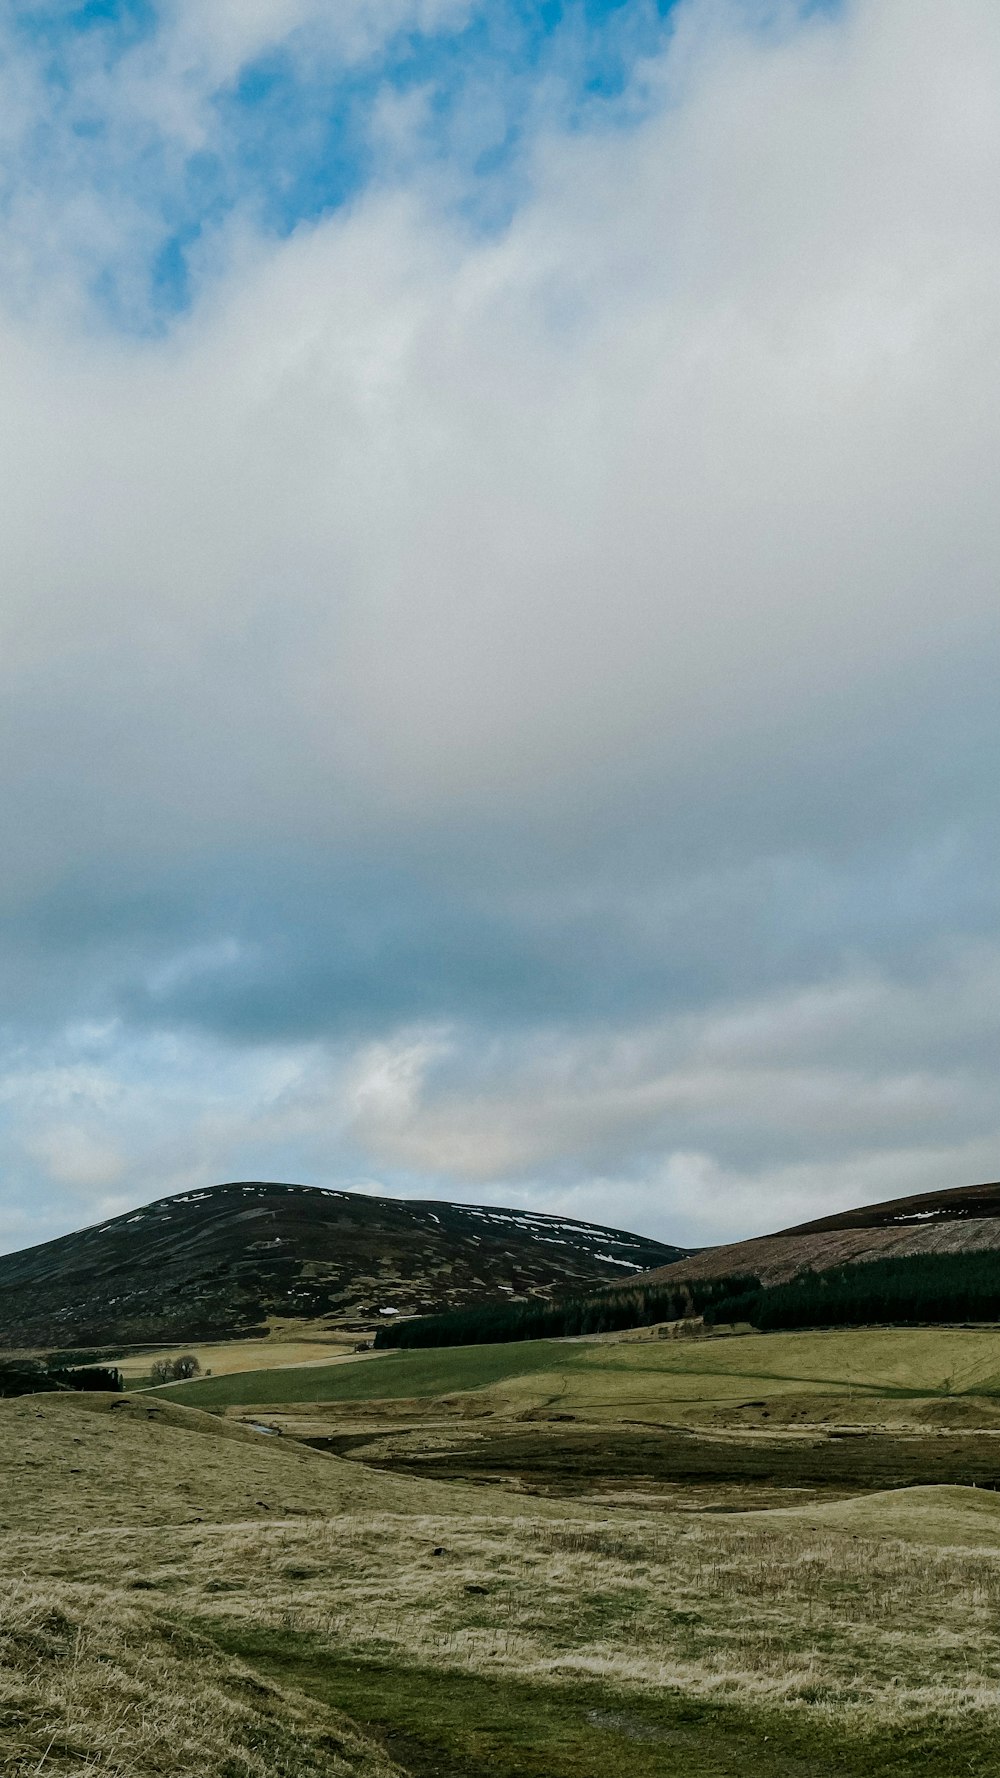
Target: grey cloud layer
550	676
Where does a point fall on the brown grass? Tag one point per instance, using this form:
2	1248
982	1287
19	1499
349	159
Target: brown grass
884	1611
71	1462
89	1681
132	1532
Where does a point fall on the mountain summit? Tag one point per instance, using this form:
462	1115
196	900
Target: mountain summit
223	1261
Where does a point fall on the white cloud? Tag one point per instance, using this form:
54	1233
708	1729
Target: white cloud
642	490
642	547
892	1058
74	1156
701	1128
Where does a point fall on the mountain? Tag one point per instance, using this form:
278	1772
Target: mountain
963	1220
220	1262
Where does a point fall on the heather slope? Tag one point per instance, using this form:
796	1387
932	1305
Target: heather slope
965	1220
230	1259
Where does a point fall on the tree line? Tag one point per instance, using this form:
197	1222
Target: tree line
634	1305
34	1376
911	1289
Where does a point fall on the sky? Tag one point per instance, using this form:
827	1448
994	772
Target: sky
499	604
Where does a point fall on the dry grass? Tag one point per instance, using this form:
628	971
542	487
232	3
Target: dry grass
133	1530
872	1610
229	1357
70	1462
804	1613
89	1681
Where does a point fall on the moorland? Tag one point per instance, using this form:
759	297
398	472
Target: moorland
692	1551
516	1560
236	1258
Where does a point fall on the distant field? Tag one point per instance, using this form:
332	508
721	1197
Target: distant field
645	1381
226	1357
382	1378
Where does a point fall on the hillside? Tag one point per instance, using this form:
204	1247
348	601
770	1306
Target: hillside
220	1262
964	1220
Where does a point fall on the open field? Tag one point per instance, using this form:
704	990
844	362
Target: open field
461	1630
730	1422
558	1628
651	1379
225	1357
384	1376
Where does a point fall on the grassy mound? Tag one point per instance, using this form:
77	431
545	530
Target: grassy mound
91	1681
66	1467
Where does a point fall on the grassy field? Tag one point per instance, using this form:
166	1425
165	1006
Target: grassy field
180	1593
647	1380
382	1377
464	1631
225	1357
92	1682
461	1723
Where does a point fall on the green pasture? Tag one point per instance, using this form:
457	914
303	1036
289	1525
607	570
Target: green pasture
397	1375
618	1380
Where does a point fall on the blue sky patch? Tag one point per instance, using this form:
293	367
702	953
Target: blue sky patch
294	133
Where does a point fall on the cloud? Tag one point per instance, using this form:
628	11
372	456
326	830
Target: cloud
137	141
824	1094
700	1128
73	1156
529	690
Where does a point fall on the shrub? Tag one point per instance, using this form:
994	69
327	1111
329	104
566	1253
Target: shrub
175	1370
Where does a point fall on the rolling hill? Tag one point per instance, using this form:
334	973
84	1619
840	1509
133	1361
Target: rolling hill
963	1220
221	1262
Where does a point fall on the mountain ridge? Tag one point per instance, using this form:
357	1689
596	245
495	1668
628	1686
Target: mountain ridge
957	1219
221	1261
